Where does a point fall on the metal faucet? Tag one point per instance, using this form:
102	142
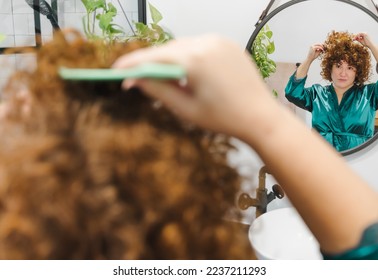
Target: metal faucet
263	198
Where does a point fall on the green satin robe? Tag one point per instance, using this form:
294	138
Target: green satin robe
345	125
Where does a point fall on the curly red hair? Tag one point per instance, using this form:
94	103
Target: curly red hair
340	46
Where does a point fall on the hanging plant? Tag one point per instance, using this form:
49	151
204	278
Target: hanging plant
262	47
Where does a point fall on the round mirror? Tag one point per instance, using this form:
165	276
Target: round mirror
298	24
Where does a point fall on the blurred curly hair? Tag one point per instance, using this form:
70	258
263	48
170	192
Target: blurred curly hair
89	171
340	46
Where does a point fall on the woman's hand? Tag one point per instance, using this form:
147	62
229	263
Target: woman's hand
223	86
315	51
364	39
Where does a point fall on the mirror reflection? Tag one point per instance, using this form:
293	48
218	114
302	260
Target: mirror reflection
343	112
293	40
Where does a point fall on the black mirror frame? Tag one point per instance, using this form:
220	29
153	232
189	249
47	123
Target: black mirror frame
280	8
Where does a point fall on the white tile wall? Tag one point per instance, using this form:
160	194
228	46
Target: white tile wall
6	25
6	6
17	24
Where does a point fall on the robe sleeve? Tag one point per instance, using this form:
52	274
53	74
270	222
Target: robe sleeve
297	94
367	249
375	89
372	91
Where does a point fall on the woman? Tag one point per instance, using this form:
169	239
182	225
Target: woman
225	93
344	111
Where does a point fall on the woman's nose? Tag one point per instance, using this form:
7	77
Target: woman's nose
343	71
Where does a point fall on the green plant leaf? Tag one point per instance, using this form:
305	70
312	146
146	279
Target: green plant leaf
115	29
92	5
112	8
157	28
142	29
105	20
269	34
270	48
155	14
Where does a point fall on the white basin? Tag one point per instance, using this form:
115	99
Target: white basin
281	234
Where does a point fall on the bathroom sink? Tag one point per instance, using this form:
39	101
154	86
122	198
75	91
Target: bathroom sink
281	234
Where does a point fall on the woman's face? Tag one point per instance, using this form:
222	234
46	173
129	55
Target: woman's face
343	75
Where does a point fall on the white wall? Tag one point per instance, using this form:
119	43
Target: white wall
232	18
237	18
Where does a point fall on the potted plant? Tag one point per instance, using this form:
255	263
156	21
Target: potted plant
101	14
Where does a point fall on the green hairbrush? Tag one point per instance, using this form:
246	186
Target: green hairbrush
149	70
